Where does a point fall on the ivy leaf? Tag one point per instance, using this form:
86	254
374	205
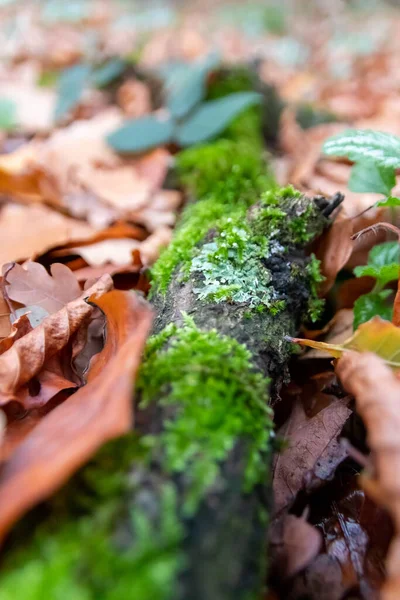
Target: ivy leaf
368	177
8	114
389	202
71	86
213	117
186	86
105	74
378	336
383	264
142	134
371	305
359	145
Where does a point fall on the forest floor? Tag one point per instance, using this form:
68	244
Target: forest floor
89	201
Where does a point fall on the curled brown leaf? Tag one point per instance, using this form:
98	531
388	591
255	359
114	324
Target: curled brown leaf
66	437
377	392
28	355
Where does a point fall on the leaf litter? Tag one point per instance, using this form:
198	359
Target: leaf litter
105	212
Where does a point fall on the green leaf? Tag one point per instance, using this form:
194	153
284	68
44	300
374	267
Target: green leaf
213	117
142	134
186	86
105	74
371	305
71	86
383	264
384	254
366	176
359	145
391	201
8	114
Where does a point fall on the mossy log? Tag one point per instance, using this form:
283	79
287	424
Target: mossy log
178	509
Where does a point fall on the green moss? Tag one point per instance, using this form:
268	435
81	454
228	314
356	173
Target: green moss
75	553
231	267
225	178
217	399
315	304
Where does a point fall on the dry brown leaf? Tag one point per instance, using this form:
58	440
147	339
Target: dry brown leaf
377	392
115	252
31	284
65	438
334	250
309	440
5	323
28	231
120	187
28	355
294	543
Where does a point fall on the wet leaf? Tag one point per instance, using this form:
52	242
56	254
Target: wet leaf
66	437
141	134
377	336
213	117
32	284
71	86
371	178
383	149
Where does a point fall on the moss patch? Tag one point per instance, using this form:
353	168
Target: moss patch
217	398
225	178
75	552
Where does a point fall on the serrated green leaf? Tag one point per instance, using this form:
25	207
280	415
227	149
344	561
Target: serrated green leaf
383	264
384	254
142	134
390	202
213	117
105	74
186	87
8	114
359	145
369	177
71	86
372	305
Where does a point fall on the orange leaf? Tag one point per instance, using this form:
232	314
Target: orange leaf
29	354
334	250
377	391
378	336
31	284
66	437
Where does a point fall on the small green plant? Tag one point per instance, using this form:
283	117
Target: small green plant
188	119
383	265
376	156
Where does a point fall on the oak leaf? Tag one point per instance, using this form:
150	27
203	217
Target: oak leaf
29	354
66	437
31	284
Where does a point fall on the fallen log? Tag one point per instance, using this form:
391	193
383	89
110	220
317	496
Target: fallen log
178	509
